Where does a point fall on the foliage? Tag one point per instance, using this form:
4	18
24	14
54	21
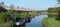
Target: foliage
53	11
2	16
58	1
12	14
9	12
58	17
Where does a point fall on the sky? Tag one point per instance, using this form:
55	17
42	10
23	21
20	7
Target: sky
33	4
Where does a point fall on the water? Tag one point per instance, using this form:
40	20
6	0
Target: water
36	22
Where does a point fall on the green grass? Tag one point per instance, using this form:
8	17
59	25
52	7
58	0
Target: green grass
7	24
51	22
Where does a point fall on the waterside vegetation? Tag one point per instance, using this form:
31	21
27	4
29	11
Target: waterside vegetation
53	19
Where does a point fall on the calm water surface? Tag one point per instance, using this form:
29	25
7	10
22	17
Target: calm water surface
36	22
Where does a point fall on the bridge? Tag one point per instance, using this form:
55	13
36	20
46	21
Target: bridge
16	9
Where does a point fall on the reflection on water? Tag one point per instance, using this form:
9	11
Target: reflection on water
35	22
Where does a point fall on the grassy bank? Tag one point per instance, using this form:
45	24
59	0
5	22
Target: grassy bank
51	22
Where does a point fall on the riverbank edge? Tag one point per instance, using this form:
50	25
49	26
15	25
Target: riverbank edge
50	22
43	22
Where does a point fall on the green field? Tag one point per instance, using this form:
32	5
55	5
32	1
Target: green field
51	22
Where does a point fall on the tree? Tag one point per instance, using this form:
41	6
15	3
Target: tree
58	1
8	15
58	17
18	7
2	9
53	11
12	6
2	2
21	7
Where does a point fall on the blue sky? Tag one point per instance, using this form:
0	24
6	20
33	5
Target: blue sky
34	4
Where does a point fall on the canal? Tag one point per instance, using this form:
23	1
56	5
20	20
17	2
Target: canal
35	22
